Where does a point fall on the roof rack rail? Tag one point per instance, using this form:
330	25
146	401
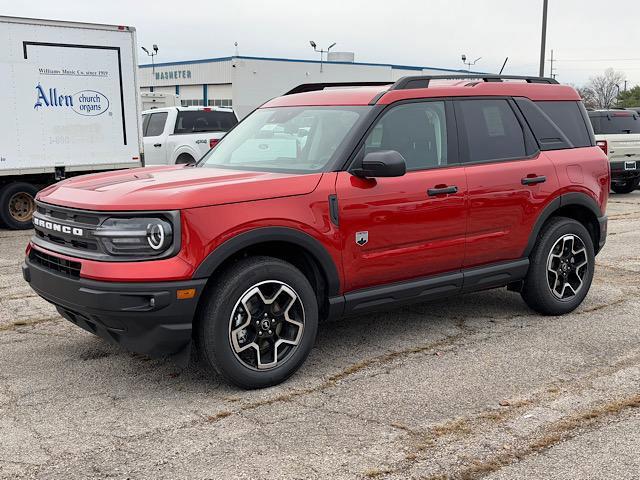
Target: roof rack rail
422	81
312	87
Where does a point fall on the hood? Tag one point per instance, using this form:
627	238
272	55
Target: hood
174	188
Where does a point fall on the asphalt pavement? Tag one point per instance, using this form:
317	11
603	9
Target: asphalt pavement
474	387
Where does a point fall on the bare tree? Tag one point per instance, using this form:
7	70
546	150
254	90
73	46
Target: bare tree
588	97
604	89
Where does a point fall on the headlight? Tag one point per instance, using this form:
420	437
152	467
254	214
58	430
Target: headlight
144	236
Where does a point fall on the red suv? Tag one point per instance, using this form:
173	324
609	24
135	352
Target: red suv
331	200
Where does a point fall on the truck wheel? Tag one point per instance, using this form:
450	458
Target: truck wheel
259	322
17	204
561	269
184	158
626	187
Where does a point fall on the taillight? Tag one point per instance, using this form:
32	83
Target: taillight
213	142
603	146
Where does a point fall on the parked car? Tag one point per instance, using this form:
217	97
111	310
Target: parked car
618	135
328	203
183	134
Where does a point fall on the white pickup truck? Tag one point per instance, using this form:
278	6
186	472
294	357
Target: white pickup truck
183	134
617	133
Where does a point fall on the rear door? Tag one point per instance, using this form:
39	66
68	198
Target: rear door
154	136
509	180
401	228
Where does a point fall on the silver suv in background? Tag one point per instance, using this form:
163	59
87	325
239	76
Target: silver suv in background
183	134
617	133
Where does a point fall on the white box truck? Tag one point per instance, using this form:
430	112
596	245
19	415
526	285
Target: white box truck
70	105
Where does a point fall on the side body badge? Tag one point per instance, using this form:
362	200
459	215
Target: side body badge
362	238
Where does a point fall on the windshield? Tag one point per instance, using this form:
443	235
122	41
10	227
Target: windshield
285	139
619	122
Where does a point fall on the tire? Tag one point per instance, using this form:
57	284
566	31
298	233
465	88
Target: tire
184	158
17	205
626	187
225	333
547	256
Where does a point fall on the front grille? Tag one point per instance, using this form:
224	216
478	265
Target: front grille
68	268
68	217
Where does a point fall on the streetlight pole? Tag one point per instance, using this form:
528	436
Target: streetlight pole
322	51
152	55
469	63
543	41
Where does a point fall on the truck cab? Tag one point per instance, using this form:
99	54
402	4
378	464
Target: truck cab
179	135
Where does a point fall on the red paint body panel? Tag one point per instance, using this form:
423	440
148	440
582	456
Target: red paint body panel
364	95
532	91
409	233
502	211
173	188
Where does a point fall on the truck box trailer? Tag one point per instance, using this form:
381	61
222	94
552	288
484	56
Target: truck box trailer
70	106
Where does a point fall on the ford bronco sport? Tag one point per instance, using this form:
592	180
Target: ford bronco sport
331	201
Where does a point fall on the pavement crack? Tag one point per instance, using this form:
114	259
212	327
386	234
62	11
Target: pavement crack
28	323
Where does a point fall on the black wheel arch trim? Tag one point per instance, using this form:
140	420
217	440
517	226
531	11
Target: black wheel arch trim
564	200
273	234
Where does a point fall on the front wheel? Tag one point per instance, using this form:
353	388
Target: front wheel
626	187
561	269
259	323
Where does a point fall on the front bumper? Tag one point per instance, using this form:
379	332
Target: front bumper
146	318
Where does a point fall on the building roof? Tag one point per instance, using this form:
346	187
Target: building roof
299	60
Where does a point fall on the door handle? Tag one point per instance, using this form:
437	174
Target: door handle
432	192
157	144
533	180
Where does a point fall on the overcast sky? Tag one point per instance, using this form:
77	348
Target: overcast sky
587	36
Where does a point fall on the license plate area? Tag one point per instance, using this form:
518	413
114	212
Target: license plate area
629	165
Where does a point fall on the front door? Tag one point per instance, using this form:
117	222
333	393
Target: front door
402	228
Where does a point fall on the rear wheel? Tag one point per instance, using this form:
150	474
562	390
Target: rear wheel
561	270
626	187
184	158
17	204
259	322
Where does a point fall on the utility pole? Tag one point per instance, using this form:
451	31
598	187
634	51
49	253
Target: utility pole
551	69
543	41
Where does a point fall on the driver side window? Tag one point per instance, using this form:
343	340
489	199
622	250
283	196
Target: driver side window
418	131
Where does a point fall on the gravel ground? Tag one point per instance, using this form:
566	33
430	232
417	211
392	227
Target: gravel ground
471	388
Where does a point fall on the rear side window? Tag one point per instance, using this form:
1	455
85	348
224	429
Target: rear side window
568	118
205	121
615	123
491	129
155	124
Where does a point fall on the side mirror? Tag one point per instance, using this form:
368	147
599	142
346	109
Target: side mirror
385	163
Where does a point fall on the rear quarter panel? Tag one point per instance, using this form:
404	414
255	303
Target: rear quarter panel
583	170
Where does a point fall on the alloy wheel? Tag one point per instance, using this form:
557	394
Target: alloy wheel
266	325
567	266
